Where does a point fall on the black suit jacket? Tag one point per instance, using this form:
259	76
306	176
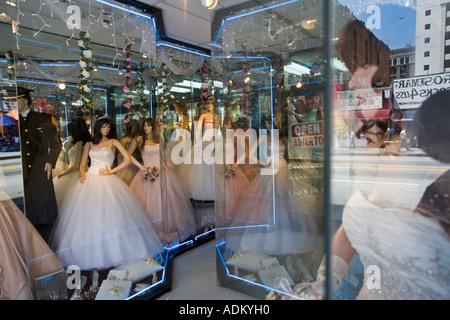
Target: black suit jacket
40	144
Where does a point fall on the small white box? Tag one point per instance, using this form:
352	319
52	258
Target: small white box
114	290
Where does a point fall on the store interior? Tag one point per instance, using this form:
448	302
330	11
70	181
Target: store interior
265	69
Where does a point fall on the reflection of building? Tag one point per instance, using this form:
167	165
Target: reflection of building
432	36
402	62
360	47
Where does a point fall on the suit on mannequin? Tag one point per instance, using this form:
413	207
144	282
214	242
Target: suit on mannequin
40	147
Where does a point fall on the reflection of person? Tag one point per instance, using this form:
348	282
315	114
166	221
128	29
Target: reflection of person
79	136
368	68
433	131
40	147
395	240
101	224
178	222
267	202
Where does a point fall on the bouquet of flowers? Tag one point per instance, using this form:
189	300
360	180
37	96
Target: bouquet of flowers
151	174
229	172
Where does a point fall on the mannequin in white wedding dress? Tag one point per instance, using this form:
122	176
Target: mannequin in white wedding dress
101	224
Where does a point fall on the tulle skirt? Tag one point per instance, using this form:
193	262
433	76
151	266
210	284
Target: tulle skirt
101	224
263	221
64	184
179	222
24	254
236	187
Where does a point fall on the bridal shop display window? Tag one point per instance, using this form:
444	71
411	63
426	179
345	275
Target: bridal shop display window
71	72
270	184
392	237
360	191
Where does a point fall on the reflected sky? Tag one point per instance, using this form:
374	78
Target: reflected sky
398	20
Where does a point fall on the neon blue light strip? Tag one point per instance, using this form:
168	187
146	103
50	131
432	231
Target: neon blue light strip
260	68
40	42
49	83
57	65
126	10
245	227
183	49
205	233
147	289
239	57
261	10
179	245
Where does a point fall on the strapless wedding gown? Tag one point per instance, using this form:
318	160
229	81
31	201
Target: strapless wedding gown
411	251
101	224
201	175
178	222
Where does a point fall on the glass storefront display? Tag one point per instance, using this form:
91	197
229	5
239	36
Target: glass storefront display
350	197
309	143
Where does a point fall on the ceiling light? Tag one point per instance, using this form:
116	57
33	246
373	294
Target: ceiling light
61	85
296	68
210	4
299	83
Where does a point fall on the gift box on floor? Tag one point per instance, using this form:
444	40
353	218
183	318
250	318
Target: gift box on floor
247	261
114	290
140	269
271	276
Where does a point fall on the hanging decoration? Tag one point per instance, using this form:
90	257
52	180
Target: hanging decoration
10	65
128	87
165	94
140	88
247	81
84	85
204	88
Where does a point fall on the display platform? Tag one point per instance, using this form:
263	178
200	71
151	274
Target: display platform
258	272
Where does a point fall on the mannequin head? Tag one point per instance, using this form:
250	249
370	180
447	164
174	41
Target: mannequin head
22	95
104	127
149	130
79	131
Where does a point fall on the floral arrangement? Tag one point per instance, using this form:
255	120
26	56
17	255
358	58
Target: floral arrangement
140	87
84	86
230	172
204	88
127	88
10	65
41	105
151	174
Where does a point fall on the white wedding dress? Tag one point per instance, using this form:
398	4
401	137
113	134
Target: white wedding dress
101	224
65	183
411	251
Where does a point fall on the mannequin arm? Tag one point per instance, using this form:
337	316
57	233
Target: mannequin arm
84	160
136	142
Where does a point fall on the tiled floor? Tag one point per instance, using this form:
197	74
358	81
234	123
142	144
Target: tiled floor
194	277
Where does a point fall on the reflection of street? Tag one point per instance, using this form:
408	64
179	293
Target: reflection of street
387	180
11	175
